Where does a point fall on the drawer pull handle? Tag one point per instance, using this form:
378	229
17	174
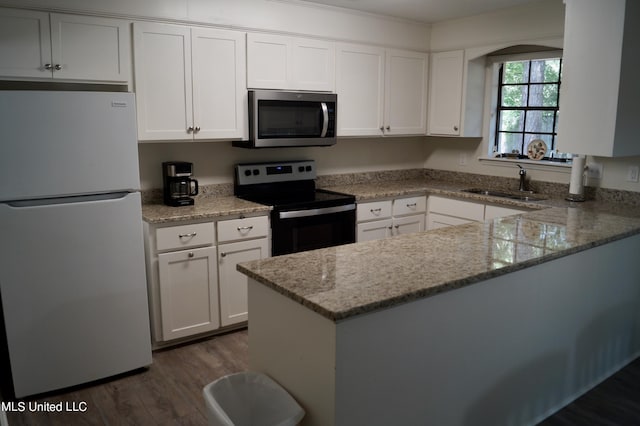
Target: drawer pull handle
191	254
193	234
412	205
223	254
374	211
245	228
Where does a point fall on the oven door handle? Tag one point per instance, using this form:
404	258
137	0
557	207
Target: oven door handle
325	119
315	212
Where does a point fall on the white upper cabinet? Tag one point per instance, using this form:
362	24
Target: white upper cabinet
290	63
599	92
190	83
60	46
380	91
445	93
405	111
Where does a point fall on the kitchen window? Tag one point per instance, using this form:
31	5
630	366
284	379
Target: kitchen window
526	108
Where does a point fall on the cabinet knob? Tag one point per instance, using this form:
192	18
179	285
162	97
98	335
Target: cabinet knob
455	128
396	226
391	227
57	67
223	254
196	129
190	129
48	67
382	128
388	128
190	254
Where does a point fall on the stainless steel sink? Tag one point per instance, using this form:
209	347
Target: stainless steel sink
515	195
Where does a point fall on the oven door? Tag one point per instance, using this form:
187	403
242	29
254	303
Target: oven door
299	230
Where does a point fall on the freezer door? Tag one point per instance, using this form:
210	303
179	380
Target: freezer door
66	143
74	295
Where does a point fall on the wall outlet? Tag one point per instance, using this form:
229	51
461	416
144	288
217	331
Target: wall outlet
632	173
594	170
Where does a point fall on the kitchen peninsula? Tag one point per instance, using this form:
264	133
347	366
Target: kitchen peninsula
501	322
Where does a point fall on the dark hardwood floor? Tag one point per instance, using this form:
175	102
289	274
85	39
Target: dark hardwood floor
170	392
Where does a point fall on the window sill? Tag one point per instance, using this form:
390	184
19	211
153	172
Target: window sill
531	164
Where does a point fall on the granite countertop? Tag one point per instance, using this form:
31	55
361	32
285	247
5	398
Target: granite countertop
344	281
204	208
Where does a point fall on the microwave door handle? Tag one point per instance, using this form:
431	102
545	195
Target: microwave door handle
325	119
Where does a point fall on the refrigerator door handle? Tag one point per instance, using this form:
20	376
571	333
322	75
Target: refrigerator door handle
68	200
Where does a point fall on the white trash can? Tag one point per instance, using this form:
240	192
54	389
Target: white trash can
250	399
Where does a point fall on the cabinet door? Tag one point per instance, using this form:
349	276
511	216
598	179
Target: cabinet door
360	89
219	84
445	93
376	230
233	284
162	58
26	43
491	212
268	61
88	48
188	292
406	93
435	221
408	224
314	65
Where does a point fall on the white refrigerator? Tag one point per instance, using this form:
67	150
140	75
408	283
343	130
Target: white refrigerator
72	274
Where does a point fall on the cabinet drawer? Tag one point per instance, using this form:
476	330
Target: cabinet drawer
410	205
374	210
243	229
185	236
457	208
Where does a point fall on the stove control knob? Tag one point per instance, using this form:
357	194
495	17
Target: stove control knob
308	168
301	169
247	172
256	172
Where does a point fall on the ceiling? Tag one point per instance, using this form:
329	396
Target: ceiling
428	11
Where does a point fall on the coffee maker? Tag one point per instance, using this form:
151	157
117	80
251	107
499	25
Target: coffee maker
178	185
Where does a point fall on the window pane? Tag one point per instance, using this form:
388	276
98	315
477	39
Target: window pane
510	142
539	121
545	71
511	121
514	96
515	72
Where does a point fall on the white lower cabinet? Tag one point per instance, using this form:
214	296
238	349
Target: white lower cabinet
443	212
194	288
233	284
188	292
381	219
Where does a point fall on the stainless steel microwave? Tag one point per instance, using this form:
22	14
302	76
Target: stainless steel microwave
286	119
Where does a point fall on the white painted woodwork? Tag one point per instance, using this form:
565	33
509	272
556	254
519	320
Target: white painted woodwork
233	284
83	47
243	229
190	83
290	63
185	236
435	221
445	93
491	211
458	208
599	94
360	88
406	80
374	230
481	354
220	107
162	74
380	91
188	292
26	43
381	219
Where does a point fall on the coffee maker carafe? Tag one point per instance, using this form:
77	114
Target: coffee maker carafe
179	187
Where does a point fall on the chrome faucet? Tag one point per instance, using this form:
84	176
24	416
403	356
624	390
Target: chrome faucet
523	176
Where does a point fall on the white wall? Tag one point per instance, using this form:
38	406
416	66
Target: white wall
540	23
213	161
